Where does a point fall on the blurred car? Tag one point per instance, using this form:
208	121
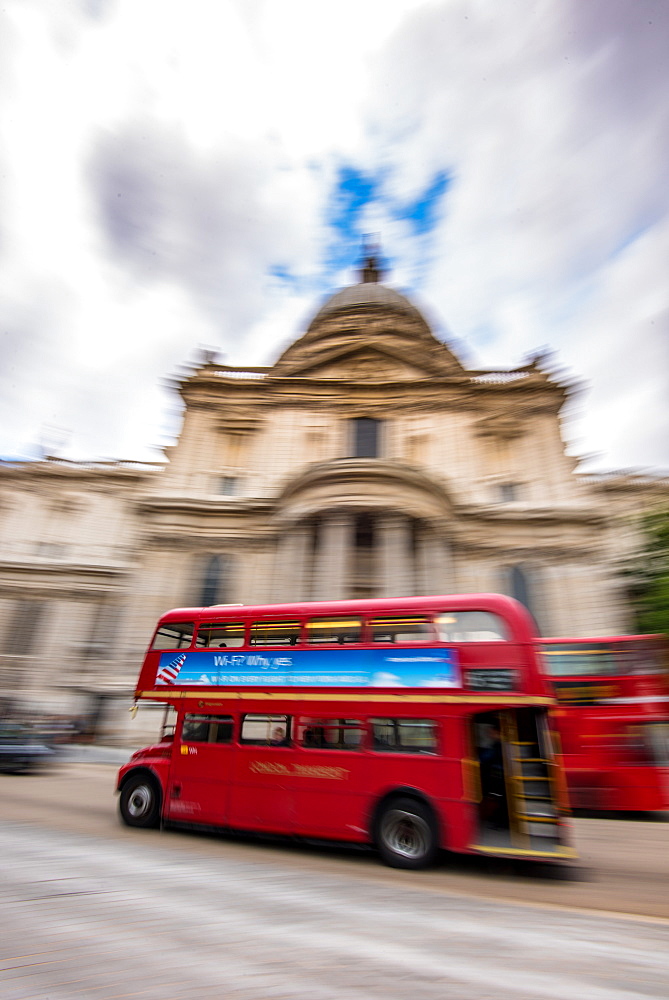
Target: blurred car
20	751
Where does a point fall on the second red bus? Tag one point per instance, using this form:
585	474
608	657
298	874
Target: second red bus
613	719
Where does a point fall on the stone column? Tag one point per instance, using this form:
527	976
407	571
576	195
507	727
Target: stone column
333	557
434	564
291	565
396	555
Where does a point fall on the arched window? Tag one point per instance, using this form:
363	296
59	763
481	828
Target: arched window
520	585
215	575
365	437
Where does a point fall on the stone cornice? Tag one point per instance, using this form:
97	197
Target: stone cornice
425	394
204	541
536	516
21	580
203	507
534	552
72	473
363	469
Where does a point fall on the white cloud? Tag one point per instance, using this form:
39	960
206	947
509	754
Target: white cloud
162	161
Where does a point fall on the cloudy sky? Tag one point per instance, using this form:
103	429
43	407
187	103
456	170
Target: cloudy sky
183	176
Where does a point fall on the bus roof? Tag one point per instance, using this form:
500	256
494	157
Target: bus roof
601	639
499	603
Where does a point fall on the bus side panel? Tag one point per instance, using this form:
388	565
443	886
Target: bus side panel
435	777
642	788
330	790
199	782
262	794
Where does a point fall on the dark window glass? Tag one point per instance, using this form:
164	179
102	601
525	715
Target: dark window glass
26	628
228	486
579	659
174	635
366	437
338	631
211	581
220	636
400	628
519	586
266	730
207	729
508	492
404	735
274	634
330	734
471	626
656	737
103	632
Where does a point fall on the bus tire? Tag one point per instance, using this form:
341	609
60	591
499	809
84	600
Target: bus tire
139	804
406	834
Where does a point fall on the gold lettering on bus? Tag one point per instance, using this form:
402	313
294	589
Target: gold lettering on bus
268	767
299	770
321	771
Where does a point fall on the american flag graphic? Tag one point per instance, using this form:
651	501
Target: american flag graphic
169	673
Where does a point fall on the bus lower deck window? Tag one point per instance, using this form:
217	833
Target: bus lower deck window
266	730
207	729
330	734
404	735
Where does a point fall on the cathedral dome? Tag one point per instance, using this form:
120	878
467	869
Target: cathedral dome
367	293
367	315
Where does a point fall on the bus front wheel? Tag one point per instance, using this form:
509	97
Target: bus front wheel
139	804
406	834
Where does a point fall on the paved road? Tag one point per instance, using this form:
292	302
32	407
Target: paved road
91	909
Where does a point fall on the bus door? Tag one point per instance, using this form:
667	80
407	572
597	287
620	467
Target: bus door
201	769
518	804
263	793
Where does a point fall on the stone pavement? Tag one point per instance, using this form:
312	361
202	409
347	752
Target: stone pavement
77	753
116	919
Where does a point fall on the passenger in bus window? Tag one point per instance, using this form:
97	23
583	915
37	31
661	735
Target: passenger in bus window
313	737
278	737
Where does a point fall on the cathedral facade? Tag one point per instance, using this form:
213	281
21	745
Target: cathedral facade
366	461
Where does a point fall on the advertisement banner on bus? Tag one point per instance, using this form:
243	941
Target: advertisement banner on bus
312	668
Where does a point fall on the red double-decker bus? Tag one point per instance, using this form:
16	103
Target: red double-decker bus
411	724
613	719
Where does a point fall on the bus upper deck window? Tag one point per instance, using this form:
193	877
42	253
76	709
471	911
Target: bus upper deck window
471	626
338	631
274	634
579	660
400	628
217	635
174	635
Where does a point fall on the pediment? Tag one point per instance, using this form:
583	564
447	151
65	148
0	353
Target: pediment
363	364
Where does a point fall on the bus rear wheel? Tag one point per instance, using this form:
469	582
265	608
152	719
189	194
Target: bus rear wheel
406	834
139	804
